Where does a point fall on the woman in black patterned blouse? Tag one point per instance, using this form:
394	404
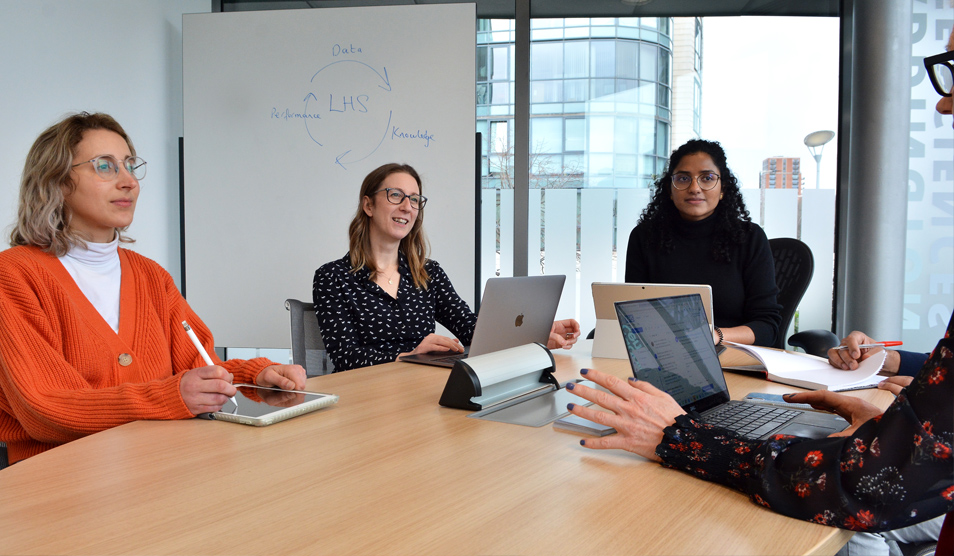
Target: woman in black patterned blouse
382	299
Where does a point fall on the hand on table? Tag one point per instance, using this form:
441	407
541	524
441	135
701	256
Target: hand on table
206	389
854	410
288	377
436	342
640	412
564	334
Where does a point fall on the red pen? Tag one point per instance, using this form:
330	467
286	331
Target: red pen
877	345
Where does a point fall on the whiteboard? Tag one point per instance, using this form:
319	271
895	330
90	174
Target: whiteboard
285	112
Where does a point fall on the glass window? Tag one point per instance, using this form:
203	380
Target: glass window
483	63
602	59
575	134
627	60
499	93
546	135
603	106
601	134
499	136
546	60
663	96
626	136
663	76
647	92
546	91
697	54
602	88
647	61
575	90
576	59
499	63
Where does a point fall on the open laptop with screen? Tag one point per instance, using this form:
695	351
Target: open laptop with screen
513	312
608	340
670	346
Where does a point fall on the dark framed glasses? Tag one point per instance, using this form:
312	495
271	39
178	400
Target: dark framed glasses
396	197
107	167
706	181
940	69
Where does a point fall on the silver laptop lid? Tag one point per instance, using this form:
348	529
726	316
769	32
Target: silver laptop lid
516	311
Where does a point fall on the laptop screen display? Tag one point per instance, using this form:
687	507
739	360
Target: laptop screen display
670	346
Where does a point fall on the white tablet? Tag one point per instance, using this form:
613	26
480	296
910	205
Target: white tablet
608	340
260	406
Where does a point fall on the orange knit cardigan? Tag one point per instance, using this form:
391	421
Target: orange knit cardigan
64	372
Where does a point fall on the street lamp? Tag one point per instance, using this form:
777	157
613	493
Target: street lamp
815	142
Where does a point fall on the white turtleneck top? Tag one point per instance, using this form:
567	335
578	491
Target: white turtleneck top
97	272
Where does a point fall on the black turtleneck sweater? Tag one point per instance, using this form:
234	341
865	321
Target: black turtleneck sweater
743	290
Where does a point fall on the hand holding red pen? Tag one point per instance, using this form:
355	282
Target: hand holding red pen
857	347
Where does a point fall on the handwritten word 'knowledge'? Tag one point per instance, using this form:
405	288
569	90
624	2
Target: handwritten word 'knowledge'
427	137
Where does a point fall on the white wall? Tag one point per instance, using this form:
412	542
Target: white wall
116	56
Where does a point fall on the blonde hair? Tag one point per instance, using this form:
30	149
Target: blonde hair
43	218
414	245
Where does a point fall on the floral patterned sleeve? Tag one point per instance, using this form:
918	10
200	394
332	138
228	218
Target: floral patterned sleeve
895	470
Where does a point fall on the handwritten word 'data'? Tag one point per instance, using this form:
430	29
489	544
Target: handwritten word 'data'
396	133
287	114
338	50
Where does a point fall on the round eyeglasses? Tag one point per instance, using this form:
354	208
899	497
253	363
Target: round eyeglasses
107	167
396	197
706	181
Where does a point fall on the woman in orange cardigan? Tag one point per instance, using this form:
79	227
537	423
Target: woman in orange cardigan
90	333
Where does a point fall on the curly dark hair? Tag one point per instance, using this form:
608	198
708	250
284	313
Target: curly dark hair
732	218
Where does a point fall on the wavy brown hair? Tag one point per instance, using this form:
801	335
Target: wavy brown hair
414	245
43	219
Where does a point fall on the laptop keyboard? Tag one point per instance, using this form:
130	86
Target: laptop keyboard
748	419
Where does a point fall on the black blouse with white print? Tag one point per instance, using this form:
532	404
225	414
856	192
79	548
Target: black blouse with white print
363	325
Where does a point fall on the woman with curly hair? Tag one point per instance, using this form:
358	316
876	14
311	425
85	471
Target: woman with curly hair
696	230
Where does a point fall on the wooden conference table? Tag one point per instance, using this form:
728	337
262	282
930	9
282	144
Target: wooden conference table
385	471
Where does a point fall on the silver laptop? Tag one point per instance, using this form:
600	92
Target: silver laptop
513	312
670	346
608	340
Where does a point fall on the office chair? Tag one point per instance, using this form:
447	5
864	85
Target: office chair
815	342
794	266
308	350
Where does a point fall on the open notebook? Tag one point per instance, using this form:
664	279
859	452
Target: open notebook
808	371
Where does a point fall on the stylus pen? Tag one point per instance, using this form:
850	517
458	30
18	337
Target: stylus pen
877	345
202	352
